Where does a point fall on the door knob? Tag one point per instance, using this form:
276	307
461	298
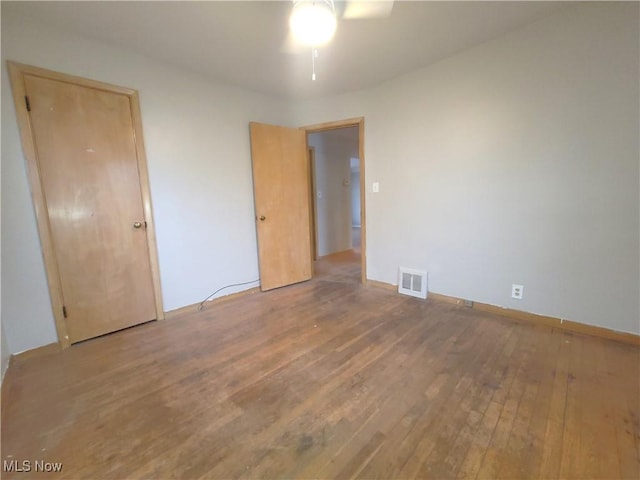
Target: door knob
137	224
262	218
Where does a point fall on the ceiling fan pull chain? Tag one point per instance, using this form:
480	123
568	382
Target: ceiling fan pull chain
314	55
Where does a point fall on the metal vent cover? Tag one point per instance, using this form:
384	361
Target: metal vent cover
412	282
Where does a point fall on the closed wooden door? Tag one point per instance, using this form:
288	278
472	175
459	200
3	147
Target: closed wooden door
281	192
86	155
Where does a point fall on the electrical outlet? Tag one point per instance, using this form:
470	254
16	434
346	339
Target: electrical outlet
517	291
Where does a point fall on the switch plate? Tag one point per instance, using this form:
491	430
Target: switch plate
375	187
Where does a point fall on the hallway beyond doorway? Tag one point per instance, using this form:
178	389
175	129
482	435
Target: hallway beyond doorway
342	267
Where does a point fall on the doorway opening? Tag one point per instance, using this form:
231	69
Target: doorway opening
336	175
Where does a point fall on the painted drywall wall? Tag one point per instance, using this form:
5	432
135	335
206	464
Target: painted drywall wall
4	353
198	152
516	161
333	152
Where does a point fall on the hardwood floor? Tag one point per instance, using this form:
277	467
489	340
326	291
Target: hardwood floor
329	379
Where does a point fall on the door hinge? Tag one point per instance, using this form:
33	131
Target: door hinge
64	311
145	224
26	102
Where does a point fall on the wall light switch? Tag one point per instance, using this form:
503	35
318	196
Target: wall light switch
375	187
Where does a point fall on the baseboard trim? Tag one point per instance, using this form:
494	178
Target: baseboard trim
526	317
55	347
48	349
196	306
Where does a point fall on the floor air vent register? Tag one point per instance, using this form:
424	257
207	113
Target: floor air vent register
412	282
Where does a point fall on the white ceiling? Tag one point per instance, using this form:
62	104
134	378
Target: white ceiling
240	42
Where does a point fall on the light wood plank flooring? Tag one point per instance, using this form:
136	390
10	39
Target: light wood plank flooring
329	379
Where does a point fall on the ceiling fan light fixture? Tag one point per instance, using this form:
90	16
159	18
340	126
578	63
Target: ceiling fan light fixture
313	22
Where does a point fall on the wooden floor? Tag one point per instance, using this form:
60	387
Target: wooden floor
329	379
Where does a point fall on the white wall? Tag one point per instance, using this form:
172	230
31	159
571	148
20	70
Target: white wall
516	161
197	144
333	152
4	353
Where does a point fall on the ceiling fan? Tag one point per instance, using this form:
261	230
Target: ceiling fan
312	23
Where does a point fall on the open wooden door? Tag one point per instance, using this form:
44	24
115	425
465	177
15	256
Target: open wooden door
281	192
